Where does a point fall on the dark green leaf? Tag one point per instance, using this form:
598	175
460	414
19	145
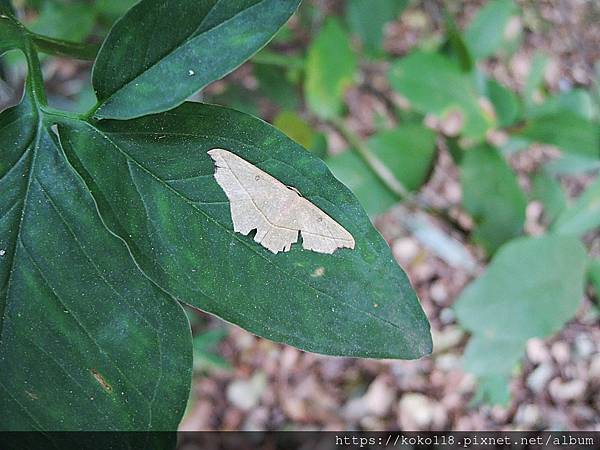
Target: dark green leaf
487	32
154	184
161	52
6	8
567	131
492	196
274	83
367	20
456	44
531	288
352	170
11	34
434	84
330	70
584	215
87	342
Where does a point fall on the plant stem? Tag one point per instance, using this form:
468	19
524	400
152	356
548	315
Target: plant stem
59	47
277	59
378	167
35	78
389	179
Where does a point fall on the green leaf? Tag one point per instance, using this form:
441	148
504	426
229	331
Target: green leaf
491	194
577	101
486	33
565	130
351	169
532	287
6	8
295	127
456	44
506	103
548	191
274	83
155	187
434	84
161	52
330	69
11	34
408	151
535	78
594	275
68	21
87	342
584	215
367	20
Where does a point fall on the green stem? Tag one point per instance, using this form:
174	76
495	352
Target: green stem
59	47
35	78
378	167
388	178
277	59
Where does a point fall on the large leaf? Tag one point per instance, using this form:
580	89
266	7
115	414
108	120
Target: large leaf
486	33
87	342
161	52
154	184
531	288
367	20
491	194
330	70
434	84
584	215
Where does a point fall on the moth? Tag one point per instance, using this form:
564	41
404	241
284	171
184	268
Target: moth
279	214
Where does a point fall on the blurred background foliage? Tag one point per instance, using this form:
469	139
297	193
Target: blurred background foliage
470	132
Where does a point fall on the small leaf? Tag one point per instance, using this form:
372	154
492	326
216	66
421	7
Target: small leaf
506	103
532	287
330	70
486	33
535	78
351	169
565	130
549	192
577	101
161	52
583	216
408	151
295	127
491	194
434	84
594	275
87	342
367	20
154	184
72	21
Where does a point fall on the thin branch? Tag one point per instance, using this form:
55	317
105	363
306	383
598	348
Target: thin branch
59	47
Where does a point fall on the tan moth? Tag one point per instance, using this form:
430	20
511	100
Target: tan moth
279	214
